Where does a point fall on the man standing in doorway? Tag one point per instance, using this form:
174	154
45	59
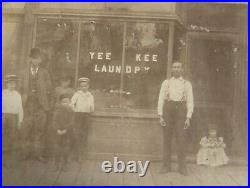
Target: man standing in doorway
175	108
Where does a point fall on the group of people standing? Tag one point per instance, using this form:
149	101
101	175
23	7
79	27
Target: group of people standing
63	114
68	117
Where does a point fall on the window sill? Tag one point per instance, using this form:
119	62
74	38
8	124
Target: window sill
145	113
127	113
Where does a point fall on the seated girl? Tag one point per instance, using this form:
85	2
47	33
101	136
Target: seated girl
211	152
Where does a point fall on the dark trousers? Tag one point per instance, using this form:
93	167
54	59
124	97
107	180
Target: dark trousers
35	128
62	148
82	121
174	113
10	138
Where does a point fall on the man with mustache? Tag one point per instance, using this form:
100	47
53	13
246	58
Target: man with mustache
175	108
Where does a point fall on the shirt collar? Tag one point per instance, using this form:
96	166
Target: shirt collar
180	78
81	92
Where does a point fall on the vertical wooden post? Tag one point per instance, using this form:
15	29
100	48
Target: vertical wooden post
78	53
27	43
170	48
34	33
123	60
187	58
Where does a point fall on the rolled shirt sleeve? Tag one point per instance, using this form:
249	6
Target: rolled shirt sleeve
190	99
73	101
162	97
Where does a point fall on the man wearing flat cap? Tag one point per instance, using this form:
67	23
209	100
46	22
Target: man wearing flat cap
82	103
38	106
12	117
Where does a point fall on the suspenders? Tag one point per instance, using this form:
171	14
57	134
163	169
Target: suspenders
183	98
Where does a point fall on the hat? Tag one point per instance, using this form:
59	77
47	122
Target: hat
83	79
35	53
11	77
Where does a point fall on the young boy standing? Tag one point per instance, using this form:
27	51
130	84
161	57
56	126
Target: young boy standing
12	117
64	88
82	103
62	123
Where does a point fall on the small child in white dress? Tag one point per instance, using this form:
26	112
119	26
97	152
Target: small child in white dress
212	151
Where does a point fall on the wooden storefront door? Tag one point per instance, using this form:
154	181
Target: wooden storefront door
211	65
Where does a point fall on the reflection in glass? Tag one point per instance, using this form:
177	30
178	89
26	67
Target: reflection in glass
58	40
145	64
100	60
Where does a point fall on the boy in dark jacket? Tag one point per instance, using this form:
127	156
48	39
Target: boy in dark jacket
62	123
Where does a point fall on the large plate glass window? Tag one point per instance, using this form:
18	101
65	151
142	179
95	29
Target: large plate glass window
58	40
145	64
101	45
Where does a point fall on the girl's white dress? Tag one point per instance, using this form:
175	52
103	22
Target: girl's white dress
212	152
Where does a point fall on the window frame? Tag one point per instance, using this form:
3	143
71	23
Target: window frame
137	113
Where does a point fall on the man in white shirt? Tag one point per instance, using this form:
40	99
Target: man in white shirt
12	117
82	103
175	108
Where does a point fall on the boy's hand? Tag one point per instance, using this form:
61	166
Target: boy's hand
162	122
61	132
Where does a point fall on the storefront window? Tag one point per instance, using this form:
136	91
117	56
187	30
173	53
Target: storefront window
145	64
58	40
125	61
101	60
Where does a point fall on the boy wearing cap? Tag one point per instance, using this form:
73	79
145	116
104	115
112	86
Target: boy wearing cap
12	117
62	124
82	103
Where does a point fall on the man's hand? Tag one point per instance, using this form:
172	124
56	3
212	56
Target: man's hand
187	124
61	132
162	122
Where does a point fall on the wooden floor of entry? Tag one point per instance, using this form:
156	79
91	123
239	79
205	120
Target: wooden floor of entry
89	173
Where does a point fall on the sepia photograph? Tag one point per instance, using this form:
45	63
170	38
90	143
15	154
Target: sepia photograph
125	93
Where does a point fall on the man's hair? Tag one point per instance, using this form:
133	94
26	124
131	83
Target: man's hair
177	62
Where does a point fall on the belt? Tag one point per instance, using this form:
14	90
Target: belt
176	102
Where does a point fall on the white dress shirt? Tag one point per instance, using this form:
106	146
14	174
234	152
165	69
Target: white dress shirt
176	89
34	70
82	102
12	103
